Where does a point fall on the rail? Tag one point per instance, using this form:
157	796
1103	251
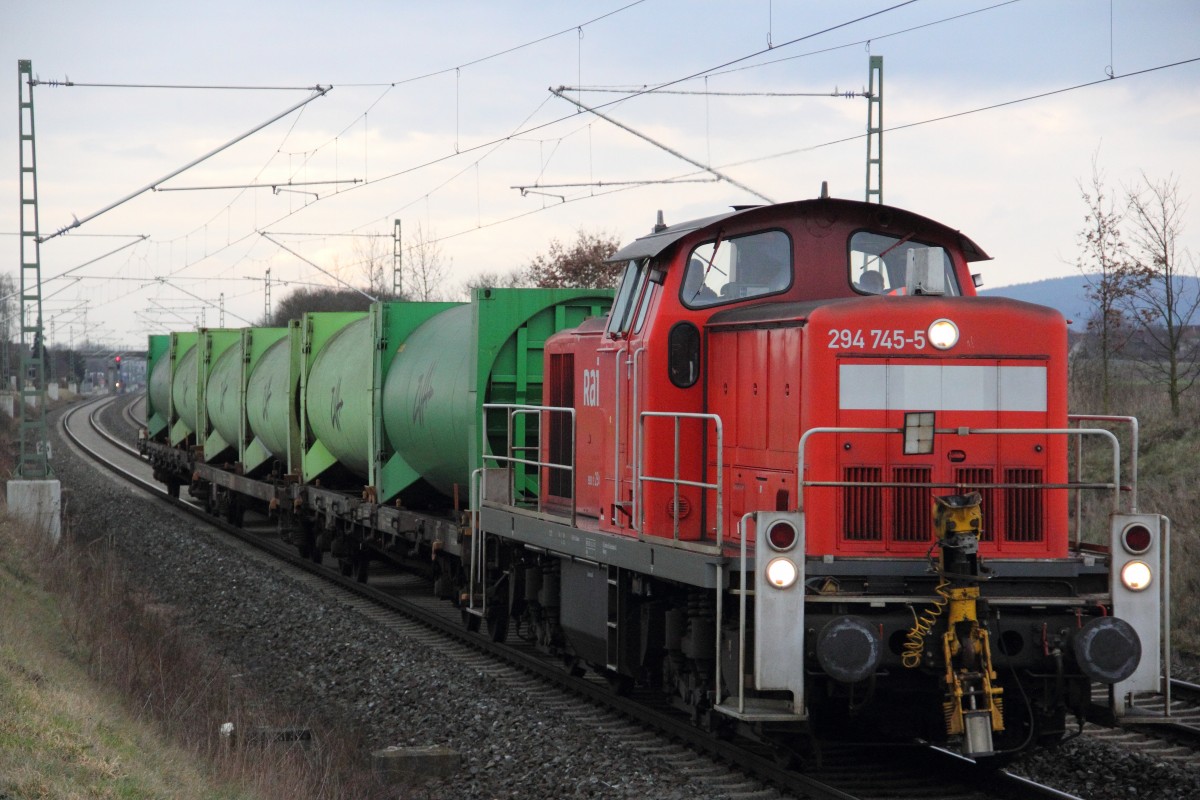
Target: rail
675	481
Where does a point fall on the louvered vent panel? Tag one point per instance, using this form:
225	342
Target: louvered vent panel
913	505
862	505
1023	512
561	394
988	508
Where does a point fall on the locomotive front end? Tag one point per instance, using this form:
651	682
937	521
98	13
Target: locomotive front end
944	551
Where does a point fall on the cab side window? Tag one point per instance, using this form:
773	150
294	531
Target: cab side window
727	270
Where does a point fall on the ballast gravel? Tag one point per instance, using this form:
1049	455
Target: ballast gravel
306	653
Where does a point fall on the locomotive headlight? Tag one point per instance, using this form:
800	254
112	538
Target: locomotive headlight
1136	575
781	572
943	334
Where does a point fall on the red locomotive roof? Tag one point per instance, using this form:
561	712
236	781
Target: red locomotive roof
659	240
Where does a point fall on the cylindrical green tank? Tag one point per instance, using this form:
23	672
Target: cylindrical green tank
427	411
160	387
184	388
221	394
268	394
338	395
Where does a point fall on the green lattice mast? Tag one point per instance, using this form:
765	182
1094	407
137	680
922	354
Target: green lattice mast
34	460
875	131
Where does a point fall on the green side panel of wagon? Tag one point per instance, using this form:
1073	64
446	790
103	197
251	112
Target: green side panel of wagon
266	407
218	384
183	371
158	389
489	351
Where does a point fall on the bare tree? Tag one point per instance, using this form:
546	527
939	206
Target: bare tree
513	279
425	267
1104	262
581	264
374	261
8	292
1167	293
318	298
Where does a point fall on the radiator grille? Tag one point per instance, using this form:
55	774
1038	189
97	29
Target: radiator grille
863	505
912	505
970	475
1023	507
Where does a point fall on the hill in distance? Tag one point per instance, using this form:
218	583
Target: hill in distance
1067	294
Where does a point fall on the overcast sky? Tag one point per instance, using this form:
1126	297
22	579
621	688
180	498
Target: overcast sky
438	109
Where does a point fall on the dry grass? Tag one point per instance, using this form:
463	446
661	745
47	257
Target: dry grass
61	735
77	637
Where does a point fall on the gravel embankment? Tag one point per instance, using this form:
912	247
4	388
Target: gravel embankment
312	654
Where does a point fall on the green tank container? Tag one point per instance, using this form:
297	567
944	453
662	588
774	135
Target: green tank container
221	398
344	359
427	400
337	393
489	351
183	374
158	393
270	391
218	390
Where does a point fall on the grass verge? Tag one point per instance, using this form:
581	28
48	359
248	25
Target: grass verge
103	695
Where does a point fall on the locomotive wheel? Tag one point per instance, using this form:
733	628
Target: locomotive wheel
362	568
497	622
346	567
470	621
499	610
173	490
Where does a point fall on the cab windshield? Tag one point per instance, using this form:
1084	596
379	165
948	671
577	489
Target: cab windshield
629	296
878	263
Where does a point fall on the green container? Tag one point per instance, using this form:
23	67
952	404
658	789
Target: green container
158	395
428	407
337	394
183	387
489	351
214	345
269	394
222	399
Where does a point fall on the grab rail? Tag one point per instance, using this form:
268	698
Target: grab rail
675	481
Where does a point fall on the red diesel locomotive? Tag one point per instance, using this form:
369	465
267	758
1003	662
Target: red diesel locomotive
804	480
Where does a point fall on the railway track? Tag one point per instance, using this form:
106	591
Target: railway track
403	603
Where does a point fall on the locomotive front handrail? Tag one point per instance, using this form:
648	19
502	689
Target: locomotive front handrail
675	481
1132	422
1114	485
